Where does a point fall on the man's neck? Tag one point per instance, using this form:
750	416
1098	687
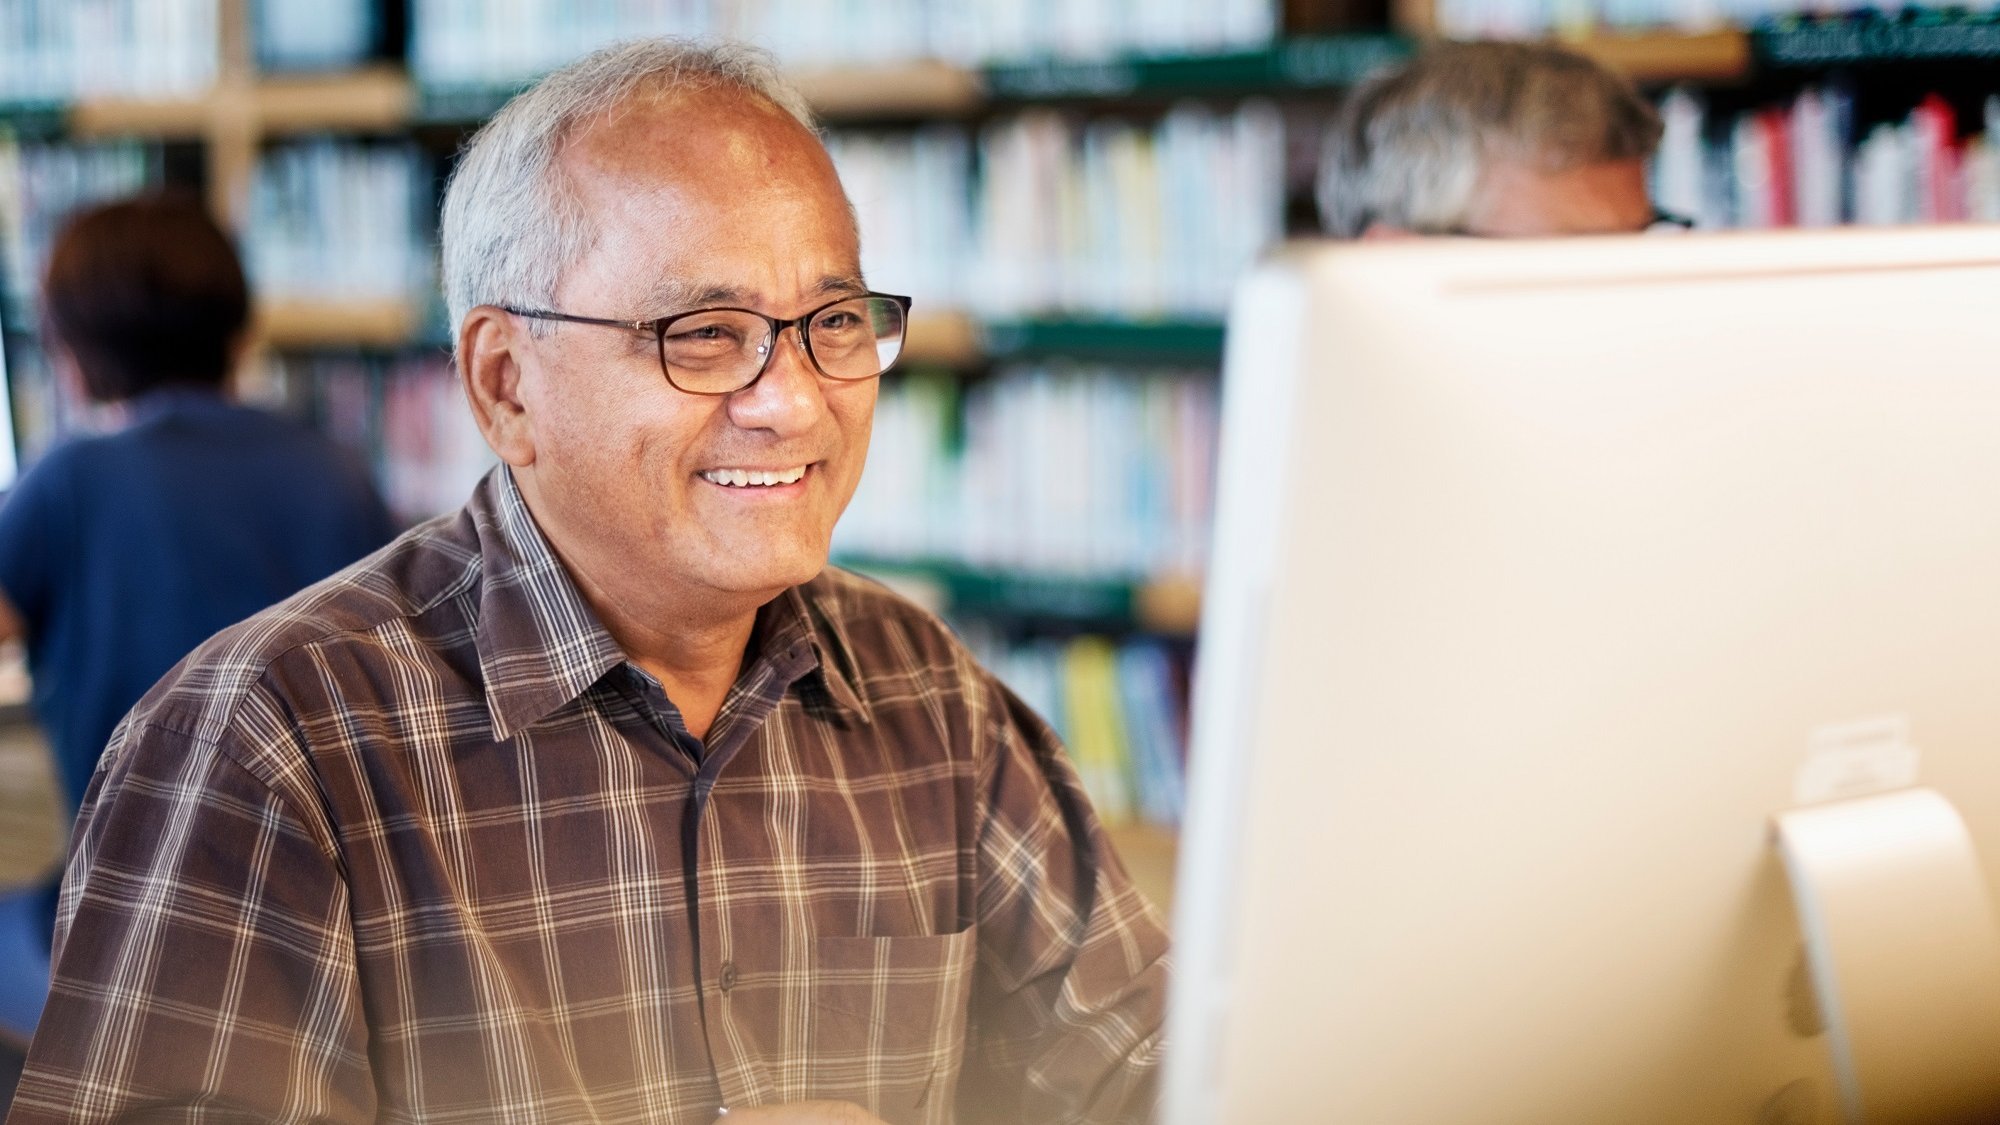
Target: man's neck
694	646
696	668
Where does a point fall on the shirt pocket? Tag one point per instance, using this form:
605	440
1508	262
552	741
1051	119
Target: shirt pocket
888	1020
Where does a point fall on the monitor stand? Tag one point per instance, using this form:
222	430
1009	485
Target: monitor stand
1904	949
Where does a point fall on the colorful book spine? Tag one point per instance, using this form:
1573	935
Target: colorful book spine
485	43
59	50
1807	164
1119	707
340	220
405	416
1055	469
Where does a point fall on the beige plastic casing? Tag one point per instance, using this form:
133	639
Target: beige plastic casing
1536	568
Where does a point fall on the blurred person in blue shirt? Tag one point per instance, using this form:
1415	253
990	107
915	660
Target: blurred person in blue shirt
122	551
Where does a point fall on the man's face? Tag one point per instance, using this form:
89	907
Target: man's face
711	201
1519	200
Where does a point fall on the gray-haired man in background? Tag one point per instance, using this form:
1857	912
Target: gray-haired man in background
603	799
1490	140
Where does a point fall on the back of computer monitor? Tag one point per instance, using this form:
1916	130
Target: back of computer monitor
1545	575
9	460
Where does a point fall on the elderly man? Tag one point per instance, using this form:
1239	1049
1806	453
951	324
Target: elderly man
603	799
1490	140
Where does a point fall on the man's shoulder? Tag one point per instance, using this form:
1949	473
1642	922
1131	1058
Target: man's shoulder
883	630
355	619
849	598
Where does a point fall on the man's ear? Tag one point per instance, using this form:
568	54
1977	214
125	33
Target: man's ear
490	347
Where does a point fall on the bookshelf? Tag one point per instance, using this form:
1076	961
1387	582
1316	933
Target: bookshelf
1875	38
944	339
1312	63
1723	55
1109	102
380	324
1167	605
1172	341
376	99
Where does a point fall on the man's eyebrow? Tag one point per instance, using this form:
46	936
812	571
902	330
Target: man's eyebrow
841	285
673	296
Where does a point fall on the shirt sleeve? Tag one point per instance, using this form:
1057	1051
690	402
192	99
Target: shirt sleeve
1071	994
204	956
32	536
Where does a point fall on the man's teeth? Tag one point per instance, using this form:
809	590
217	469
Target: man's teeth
746	478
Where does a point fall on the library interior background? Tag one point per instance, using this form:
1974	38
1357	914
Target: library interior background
1067	187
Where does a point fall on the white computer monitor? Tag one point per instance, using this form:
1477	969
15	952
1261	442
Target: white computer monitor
9	454
1547	575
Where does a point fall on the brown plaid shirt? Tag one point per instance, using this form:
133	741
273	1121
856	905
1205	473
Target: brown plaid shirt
421	845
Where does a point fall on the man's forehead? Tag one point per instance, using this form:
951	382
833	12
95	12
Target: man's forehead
674	294
741	120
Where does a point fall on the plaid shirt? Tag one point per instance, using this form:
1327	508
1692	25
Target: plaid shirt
420	844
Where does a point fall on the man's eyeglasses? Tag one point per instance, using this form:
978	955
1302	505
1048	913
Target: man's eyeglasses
721	351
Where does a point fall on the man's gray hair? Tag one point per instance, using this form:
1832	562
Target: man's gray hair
1408	145
511	225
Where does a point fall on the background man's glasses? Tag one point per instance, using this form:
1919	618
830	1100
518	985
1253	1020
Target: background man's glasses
1660	222
1668	221
721	351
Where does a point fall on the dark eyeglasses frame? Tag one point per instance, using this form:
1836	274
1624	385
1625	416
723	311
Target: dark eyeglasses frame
658	327
1660	218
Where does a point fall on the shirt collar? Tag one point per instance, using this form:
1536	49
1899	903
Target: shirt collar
176	398
540	644
810	615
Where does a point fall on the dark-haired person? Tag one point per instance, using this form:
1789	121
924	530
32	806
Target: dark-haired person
120	552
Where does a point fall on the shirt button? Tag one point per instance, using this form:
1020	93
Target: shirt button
728	978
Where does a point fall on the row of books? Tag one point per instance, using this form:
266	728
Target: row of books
341	219
1058	469
1037	213
1808	163
1106	216
1059	213
1120	709
56	50
405	415
40	184
485	43
912	194
1522	19
303	35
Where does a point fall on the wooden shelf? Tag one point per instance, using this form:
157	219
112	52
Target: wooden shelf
373	100
1197	342
1170	605
358	323
1712	56
910	89
383	99
1150	853
173	119
377	99
1166	605
946	339
33	825
1306	63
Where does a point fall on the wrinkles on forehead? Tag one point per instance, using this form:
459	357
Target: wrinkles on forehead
674	295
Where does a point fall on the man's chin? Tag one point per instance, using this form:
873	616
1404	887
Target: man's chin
774	575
